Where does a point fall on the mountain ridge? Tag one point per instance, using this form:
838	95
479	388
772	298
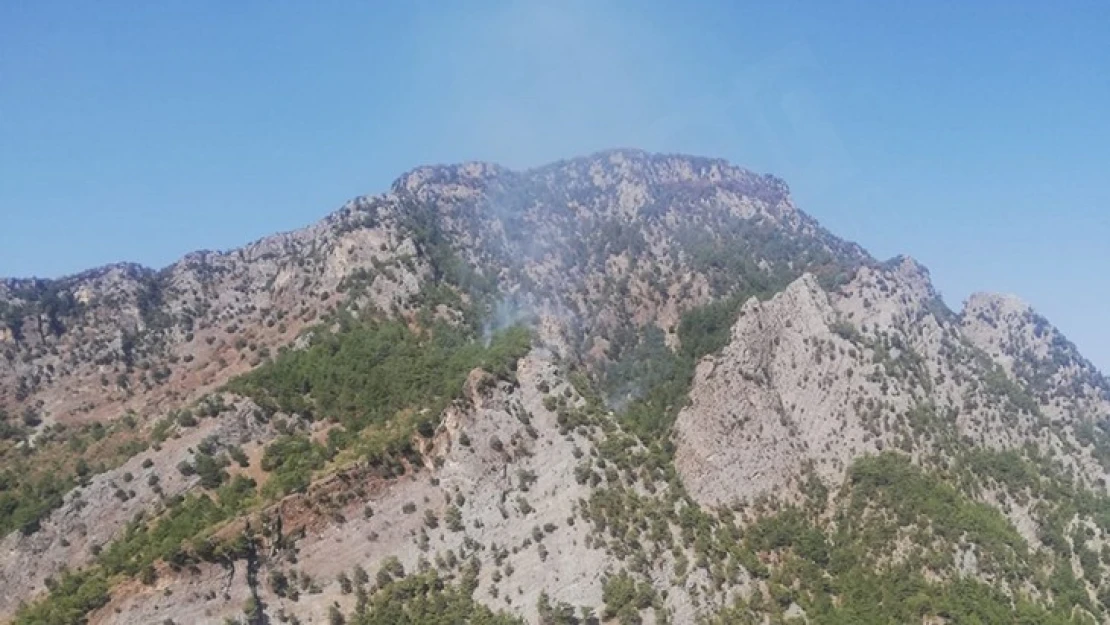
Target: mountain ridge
646	388
403	181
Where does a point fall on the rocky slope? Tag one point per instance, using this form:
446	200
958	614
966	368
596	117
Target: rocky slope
720	412
598	240
815	379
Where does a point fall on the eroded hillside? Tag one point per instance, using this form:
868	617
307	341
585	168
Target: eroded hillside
622	388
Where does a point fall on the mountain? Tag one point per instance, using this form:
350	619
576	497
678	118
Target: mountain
624	388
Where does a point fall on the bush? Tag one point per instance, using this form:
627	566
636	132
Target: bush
291	459
210	470
237	454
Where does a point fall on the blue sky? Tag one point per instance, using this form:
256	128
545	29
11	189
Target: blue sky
974	136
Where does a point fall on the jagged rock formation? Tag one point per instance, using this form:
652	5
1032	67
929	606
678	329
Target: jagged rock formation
812	379
719	399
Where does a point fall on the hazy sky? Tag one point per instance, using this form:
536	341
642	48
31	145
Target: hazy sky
974	136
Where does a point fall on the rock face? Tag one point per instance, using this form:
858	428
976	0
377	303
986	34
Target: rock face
813	379
707	361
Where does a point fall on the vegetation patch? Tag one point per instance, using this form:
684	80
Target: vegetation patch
382	382
426	599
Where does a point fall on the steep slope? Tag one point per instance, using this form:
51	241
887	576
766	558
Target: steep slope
813	379
626	387
1024	343
93	515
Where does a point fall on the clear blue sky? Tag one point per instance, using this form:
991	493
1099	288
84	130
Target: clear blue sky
974	136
